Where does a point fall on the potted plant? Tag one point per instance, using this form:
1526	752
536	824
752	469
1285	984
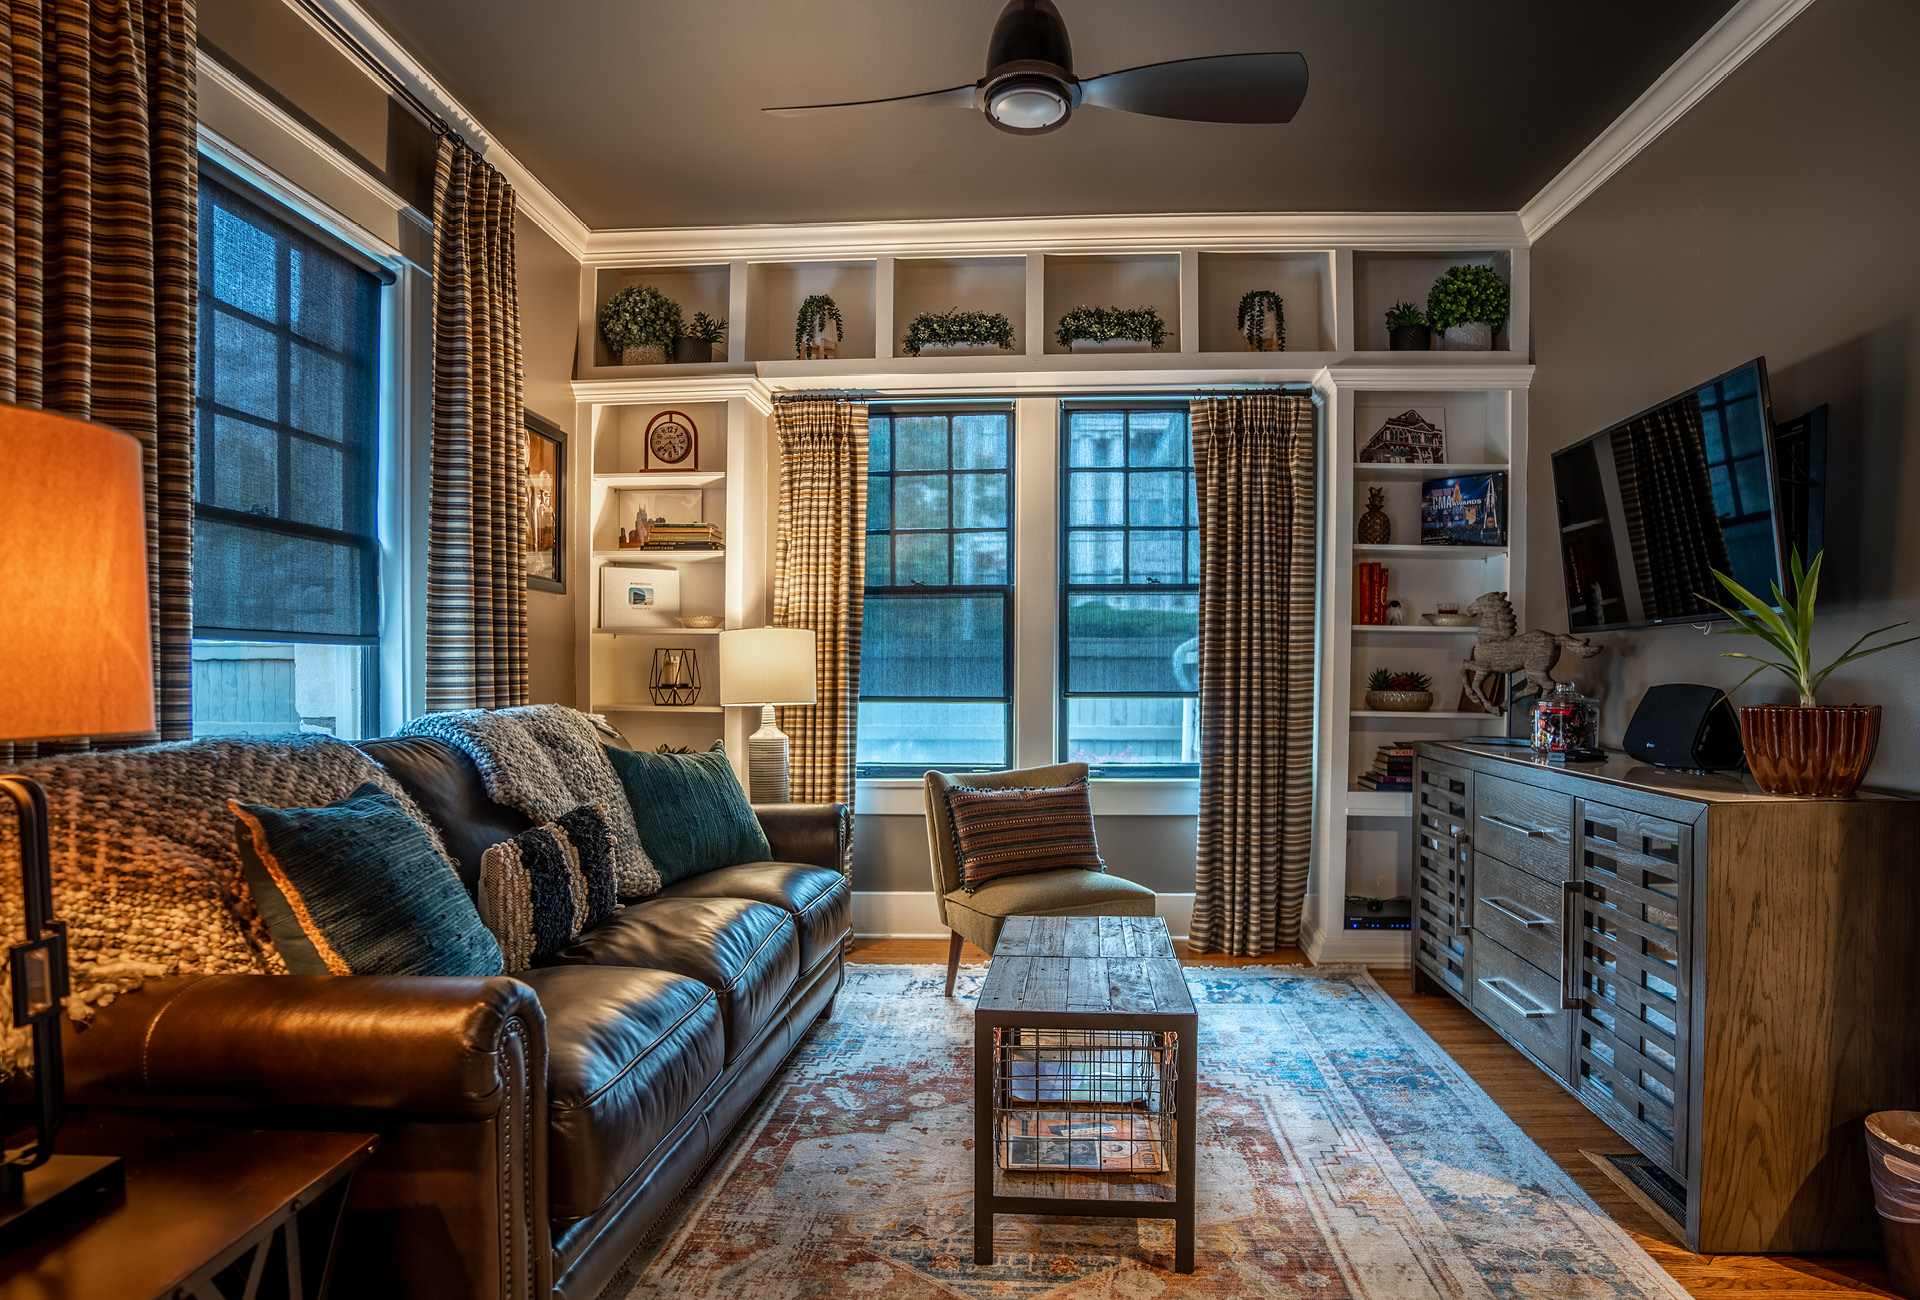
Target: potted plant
1255	306
1806	748
640	325
696	345
1407	329
1399	692
949	331
1091	328
1467	305
810	328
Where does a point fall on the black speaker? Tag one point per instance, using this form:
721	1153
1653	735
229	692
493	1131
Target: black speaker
1685	725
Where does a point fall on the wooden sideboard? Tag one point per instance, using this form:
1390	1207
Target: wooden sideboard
1728	979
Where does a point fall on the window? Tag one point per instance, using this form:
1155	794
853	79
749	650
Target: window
935	655
1129	595
285	566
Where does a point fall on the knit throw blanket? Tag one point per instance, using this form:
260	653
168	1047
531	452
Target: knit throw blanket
145	872
546	760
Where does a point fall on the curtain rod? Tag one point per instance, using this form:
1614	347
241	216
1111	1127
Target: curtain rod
395	86
1171	393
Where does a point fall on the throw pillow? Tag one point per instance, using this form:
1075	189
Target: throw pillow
358	888
692	814
541	888
1012	832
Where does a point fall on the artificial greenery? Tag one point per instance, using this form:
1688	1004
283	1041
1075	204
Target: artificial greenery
1404	315
815	312
1385	679
1465	294
1252	320
1790	630
983	328
1104	324
639	315
706	328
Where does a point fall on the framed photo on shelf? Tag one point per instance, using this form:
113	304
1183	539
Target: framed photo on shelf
1470	510
1413	437
546	514
635	597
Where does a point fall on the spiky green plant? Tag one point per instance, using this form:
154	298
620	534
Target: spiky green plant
1386	679
706	328
1404	315
1789	630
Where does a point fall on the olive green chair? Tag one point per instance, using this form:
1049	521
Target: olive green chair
977	917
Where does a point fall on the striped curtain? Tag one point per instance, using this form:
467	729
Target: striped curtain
476	543
1253	461
1674	527
97	265
819	582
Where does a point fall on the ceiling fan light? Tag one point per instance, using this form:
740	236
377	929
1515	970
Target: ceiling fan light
1028	106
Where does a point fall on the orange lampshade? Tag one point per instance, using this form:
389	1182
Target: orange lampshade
76	654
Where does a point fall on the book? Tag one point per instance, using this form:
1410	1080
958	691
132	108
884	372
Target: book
1083	1142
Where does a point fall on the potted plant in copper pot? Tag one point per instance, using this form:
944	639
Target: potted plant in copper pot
1806	748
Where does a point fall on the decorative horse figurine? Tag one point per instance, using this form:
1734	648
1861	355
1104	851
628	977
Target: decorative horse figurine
1499	650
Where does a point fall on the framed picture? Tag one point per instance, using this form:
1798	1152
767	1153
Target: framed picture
1470	510
1409	438
546	529
633	597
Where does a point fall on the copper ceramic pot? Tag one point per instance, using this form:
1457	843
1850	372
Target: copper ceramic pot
1810	750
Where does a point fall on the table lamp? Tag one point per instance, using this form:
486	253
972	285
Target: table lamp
75	660
767	666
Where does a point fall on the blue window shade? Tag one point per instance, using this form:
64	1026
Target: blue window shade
287	427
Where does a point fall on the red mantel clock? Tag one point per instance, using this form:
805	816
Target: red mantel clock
673	442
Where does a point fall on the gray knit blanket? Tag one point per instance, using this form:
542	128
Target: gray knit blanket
145	870
546	760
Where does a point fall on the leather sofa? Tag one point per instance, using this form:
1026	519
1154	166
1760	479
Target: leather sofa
532	1127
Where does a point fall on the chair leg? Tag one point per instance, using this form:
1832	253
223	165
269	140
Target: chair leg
953	960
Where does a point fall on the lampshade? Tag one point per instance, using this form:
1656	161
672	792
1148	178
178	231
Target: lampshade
767	665
76	653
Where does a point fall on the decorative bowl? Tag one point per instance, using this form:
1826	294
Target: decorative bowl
1448	620
699	620
1400	701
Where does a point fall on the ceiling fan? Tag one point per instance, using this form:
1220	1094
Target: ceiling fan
1030	88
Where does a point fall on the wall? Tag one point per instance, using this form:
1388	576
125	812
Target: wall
549	281
1776	218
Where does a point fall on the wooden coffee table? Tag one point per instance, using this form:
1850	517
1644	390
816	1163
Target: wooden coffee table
1085	1079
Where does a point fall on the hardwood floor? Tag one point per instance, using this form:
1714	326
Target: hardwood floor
1546	1113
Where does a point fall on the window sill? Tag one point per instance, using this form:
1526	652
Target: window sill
1112	797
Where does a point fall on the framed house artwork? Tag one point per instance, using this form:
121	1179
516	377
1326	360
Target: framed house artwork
1409	438
546	530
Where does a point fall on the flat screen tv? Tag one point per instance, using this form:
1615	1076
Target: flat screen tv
1650	507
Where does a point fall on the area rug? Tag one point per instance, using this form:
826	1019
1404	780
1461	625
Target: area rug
1341	1153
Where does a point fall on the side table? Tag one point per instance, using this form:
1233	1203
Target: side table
217	1214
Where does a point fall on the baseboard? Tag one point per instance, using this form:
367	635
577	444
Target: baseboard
911	914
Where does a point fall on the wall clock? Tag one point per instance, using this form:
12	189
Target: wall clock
673	442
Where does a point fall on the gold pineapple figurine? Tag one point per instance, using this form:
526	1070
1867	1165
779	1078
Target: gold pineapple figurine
1375	528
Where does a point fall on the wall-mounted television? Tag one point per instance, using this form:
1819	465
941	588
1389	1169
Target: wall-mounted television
1651	506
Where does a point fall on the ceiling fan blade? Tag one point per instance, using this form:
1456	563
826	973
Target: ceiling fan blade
958	97
1220	88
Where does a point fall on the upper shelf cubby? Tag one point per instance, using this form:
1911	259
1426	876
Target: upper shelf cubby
942	284
695	288
1112	280
1381	279
775	291
1304	282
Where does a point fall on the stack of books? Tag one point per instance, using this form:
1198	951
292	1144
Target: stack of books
683	537
1370	593
1392	768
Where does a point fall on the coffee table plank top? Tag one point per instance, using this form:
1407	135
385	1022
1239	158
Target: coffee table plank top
1107	964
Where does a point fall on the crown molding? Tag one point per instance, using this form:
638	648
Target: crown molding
1713	58
530	195
1351	378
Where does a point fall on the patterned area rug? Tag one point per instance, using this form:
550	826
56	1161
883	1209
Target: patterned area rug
1341	1153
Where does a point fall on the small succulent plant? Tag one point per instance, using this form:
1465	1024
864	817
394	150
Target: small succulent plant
1386	679
1404	315
706	328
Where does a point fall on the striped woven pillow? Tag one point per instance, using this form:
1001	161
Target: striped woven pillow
541	888
1012	832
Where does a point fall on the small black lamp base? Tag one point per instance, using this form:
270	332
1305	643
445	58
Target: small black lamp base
42	1200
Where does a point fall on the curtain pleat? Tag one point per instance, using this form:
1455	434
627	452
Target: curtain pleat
476	545
819	582
98	256
1253	463
1683	543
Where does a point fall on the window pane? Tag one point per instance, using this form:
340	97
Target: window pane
979	500
933	734
920	558
879	559
920	501
1157	556
1096	499
1750	476
243	264
980	559
317	387
1142	732
1157	499
1096	557
1096	438
245	466
879	503
879	444
323	289
246	367
263	581
257	688
980	441
320	492
934	647
919	442
1157	438
1145	643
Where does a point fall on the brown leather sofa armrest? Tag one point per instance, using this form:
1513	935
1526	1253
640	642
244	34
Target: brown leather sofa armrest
436	1049
817	834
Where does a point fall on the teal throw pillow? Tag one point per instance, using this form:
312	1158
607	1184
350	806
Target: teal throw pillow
692	814
358	888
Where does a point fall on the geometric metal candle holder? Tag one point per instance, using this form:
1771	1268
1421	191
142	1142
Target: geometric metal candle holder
675	679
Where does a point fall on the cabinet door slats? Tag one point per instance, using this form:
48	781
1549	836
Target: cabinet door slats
1442	804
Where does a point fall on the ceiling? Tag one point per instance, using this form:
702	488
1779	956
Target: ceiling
639	113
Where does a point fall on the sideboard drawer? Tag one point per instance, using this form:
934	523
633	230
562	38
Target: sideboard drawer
1522	1003
1524	825
1441	798
1522	911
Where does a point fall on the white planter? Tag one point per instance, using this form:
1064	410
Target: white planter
647	354
1116	345
963	350
823	346
1474	336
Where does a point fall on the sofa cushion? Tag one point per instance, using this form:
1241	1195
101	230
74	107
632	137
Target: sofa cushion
629	1053
1056	893
544	886
447	786
747	953
692	814
820	901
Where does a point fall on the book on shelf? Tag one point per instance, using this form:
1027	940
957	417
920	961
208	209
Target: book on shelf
1370	593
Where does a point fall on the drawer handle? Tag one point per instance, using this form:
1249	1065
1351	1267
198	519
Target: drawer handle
1570	940
1531	832
1528	919
1525	1009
